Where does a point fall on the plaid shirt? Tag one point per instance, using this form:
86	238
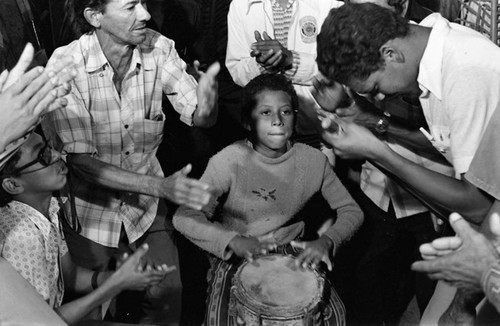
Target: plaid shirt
124	129
382	190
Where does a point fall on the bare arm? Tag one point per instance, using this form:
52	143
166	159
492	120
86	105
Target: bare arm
129	276
354	141
177	187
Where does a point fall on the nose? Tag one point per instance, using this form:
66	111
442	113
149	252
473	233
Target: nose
143	14
56	156
277	120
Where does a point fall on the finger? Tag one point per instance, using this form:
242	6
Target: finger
266	36
298	244
258	38
34	77
275	59
59	103
447	243
21	66
494	224
186	170
461	227
328	262
138	254
3	78
213	70
249	256
428	266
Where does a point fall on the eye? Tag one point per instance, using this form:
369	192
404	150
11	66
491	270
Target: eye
265	113
286	112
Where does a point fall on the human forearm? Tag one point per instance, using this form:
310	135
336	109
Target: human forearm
447	192
73	311
109	176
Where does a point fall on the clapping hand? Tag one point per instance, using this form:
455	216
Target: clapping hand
270	53
248	247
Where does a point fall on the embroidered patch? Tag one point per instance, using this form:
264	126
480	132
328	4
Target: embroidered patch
264	194
308	29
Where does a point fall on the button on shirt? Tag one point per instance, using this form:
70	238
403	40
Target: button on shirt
33	245
123	129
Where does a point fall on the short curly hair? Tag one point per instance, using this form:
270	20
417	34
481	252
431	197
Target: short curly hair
7	172
348	45
271	82
75	9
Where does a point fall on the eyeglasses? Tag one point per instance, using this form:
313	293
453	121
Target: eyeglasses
45	158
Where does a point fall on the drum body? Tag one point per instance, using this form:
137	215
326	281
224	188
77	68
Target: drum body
271	290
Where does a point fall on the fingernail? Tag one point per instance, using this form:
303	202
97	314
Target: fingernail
51	74
145	246
54	80
454	217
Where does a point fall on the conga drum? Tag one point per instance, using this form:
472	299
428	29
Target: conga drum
271	290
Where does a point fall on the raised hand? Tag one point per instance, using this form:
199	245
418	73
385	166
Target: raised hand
26	96
207	94
182	190
270	53
314	252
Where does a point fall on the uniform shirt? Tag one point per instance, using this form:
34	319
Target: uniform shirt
33	245
123	129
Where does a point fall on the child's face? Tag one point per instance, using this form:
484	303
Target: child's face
38	177
272	122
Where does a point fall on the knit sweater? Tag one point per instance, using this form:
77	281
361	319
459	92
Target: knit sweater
258	196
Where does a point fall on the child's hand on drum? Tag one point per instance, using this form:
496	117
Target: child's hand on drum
247	247
314	252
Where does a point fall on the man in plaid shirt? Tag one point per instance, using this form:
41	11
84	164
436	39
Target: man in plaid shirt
111	130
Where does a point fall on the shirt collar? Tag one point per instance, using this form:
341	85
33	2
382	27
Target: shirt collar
429	77
97	60
41	222
251	2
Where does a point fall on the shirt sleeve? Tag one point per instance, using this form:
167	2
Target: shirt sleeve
349	215
177	84
469	115
490	283
196	225
239	63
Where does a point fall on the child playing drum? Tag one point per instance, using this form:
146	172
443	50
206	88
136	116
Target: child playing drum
260	184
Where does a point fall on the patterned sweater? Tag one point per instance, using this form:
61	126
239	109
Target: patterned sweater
258	196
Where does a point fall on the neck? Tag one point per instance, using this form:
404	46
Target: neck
417	40
118	55
40	202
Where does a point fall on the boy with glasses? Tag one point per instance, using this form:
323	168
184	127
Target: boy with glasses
31	239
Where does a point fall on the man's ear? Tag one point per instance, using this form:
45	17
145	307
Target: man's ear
93	17
391	53
12	186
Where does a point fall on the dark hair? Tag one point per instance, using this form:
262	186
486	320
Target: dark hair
5	173
398	5
271	82
75	10
351	37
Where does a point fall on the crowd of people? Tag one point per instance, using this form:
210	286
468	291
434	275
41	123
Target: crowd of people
89	218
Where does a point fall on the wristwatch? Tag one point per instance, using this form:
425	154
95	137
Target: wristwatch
382	124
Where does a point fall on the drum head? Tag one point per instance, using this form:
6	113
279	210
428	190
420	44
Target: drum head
275	281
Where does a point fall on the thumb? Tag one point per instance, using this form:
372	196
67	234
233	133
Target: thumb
186	170
258	38
461	227
138	254
328	262
214	69
21	66
298	244
266	36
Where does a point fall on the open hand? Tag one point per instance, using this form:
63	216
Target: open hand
182	190
314	252
207	94
270	53
248	247
133	275
461	263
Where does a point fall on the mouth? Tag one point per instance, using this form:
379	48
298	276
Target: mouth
63	169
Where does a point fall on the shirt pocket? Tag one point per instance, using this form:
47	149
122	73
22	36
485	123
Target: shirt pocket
148	134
